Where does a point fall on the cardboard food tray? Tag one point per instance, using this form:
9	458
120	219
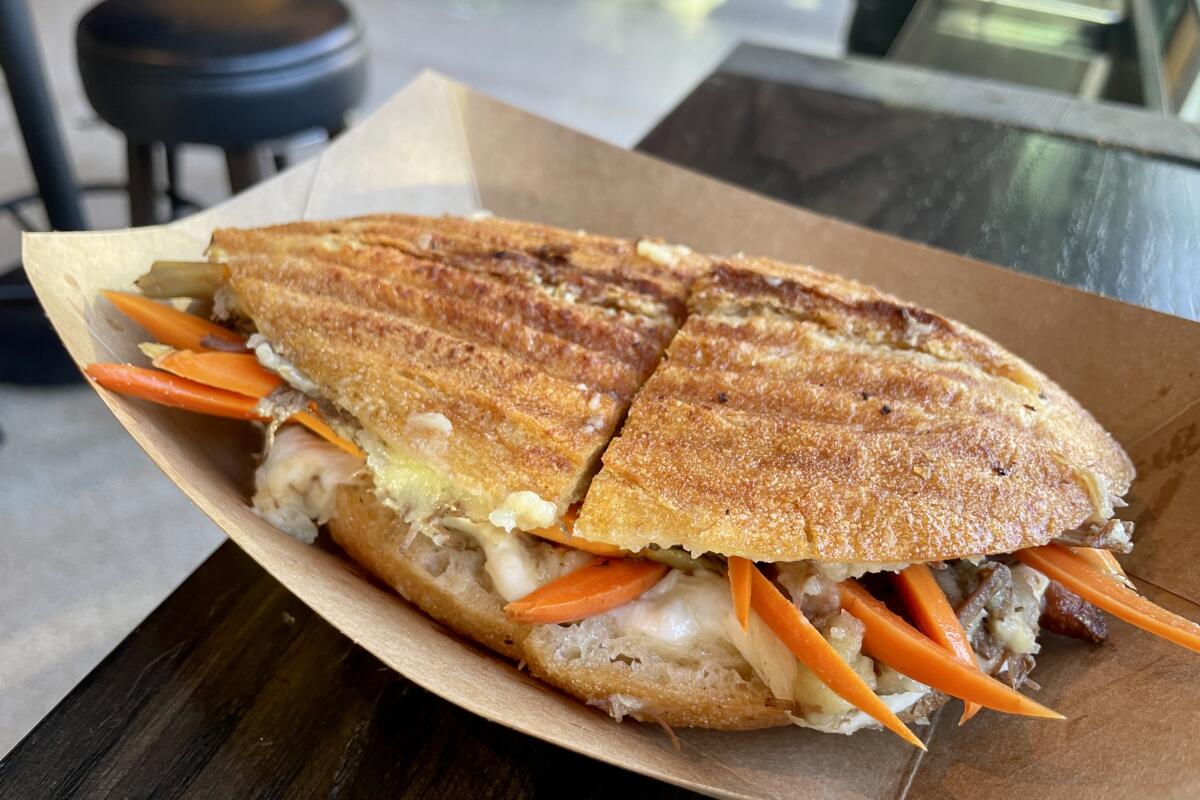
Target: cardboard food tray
1132	704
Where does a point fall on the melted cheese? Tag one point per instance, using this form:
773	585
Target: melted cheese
1017	630
524	510
665	255
295	484
857	720
680	610
429	421
516	563
828	710
683	610
420	489
428	433
285	369
412	489
838	572
514	570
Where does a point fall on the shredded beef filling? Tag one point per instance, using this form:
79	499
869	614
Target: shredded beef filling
994	579
1115	535
1068	614
1014	669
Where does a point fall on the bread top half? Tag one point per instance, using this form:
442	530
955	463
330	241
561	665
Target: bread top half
799	415
796	415
492	358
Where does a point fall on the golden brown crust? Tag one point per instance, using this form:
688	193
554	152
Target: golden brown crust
680	703
530	340
376	538
803	416
800	415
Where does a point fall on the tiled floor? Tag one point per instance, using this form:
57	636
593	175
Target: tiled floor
93	536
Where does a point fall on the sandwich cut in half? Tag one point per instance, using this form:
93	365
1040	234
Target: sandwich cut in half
826	507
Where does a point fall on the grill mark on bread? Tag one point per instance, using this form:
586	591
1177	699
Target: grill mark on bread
521	268
593	253
833	484
533	378
385	407
486	376
474	323
854	310
907	408
832	359
556	257
871	373
631	338
531	302
801	453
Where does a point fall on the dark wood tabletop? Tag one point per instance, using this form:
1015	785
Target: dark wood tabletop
233	688
1122	220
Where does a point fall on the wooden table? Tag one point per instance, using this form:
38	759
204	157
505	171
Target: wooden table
233	688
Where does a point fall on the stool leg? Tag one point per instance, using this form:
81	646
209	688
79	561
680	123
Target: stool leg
21	62
247	166
143	183
336	130
173	180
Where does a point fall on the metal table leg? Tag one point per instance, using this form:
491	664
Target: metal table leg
22	65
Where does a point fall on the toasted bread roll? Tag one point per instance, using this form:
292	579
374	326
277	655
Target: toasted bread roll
799	415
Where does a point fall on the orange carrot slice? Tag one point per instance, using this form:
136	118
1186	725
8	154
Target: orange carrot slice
564	534
739	584
808	645
323	429
1104	562
1060	564
234	372
171	390
890	639
929	608
168	324
601	585
241	373
194	363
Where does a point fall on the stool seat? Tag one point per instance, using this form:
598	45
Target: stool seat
230	73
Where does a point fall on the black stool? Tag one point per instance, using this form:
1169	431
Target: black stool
230	73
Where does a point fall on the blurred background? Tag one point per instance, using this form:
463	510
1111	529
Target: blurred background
133	111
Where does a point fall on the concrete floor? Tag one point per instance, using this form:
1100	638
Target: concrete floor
94	536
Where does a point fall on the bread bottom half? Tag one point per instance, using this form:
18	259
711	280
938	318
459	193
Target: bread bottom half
589	660
619	675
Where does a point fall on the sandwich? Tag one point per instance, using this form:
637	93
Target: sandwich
723	492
